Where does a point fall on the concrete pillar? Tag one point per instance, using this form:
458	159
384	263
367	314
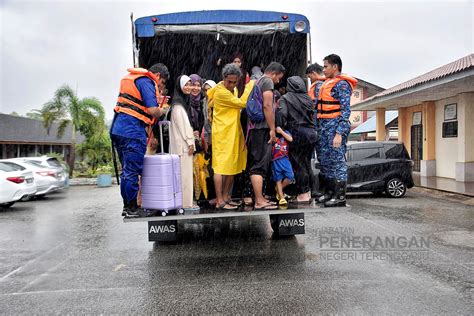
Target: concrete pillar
403	128
428	163
465	139
380	125
429	130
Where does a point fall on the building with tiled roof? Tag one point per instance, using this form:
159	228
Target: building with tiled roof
25	137
435	111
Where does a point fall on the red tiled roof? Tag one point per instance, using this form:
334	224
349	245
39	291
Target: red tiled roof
459	65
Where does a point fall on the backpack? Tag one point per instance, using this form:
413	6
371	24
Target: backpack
255	104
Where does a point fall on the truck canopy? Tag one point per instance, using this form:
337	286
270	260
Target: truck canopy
193	42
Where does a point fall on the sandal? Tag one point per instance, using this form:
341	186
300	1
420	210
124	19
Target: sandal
222	207
303	202
278	194
266	207
248	201
232	203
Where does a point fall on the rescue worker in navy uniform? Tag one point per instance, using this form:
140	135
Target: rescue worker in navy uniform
333	112
136	111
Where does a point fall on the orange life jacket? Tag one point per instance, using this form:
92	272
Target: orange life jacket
130	100
328	107
311	88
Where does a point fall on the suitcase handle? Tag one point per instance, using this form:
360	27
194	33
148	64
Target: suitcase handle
160	124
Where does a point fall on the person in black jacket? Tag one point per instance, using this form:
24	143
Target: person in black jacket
295	113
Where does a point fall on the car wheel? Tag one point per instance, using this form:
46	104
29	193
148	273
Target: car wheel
7	205
395	188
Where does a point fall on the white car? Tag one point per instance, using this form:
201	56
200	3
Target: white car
47	179
15	185
50	162
44	161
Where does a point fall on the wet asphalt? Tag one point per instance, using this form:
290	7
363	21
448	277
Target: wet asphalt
72	253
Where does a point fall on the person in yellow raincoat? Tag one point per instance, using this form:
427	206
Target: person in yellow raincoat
229	154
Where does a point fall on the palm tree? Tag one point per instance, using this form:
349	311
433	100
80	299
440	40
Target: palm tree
85	115
35	114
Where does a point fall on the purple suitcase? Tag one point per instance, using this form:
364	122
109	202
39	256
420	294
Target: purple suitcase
161	181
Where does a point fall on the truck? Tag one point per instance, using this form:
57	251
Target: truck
193	42
198	42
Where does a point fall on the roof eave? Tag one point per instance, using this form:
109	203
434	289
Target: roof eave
370	105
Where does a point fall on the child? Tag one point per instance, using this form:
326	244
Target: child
281	166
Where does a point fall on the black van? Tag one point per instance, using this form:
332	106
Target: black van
378	167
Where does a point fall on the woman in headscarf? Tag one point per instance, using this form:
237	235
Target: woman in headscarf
207	111
182	137
195	101
295	114
238	60
197	122
229	154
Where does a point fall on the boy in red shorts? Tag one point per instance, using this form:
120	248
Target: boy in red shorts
281	167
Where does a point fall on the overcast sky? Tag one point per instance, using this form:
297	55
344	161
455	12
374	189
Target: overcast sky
87	44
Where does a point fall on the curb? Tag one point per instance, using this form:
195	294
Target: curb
86	181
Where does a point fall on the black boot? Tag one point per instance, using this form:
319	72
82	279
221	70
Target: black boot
322	186
135	211
339	196
328	190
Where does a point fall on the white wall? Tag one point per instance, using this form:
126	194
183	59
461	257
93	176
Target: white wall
446	148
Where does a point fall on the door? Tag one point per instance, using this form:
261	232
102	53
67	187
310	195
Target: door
416	145
365	168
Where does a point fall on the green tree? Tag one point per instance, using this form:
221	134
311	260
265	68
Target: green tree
85	115
96	151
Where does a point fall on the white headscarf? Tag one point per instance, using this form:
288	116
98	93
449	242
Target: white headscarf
183	81
211	83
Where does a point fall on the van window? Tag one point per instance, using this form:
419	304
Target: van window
365	153
395	151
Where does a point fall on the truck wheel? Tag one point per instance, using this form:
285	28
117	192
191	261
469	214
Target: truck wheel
395	188
163	213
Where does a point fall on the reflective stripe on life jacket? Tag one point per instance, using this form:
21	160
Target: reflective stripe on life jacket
328	107
130	100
